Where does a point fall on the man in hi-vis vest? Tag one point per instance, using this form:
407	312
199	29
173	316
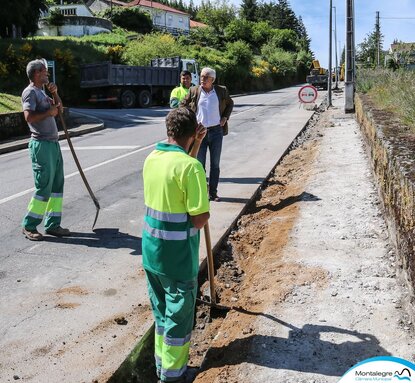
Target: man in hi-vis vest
177	207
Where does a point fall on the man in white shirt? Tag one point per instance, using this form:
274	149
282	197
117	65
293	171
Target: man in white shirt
213	107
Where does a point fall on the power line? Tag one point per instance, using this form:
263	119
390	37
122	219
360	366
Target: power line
398	18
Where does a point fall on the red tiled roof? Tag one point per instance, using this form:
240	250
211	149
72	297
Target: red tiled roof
149	4
197	24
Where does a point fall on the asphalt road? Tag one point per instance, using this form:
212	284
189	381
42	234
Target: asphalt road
61	298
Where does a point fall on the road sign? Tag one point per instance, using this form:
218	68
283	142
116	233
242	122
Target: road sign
51	69
307	94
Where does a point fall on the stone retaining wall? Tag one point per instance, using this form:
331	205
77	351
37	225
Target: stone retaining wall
393	159
14	125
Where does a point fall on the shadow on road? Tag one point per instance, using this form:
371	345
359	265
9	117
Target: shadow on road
234	200
109	238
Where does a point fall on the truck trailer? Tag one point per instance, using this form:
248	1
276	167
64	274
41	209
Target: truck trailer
130	85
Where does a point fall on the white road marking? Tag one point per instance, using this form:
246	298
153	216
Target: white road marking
27	191
120	147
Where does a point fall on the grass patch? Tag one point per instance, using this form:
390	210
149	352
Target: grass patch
391	91
10	103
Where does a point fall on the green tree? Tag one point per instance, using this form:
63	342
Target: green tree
149	46
24	21
367	50
279	15
217	14
205	37
285	39
303	39
249	10
261	33
132	19
239	29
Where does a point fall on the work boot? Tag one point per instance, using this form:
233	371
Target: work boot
33	235
58	231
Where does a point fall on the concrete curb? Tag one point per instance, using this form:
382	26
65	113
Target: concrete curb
83	124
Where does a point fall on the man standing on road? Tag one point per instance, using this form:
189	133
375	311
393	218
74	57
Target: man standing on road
180	92
213	107
177	206
47	164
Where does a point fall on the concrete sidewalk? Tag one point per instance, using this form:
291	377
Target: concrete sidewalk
77	125
342	295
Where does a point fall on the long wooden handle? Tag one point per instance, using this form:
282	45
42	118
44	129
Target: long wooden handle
78	165
211	270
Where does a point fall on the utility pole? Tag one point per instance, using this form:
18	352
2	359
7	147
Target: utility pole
350	58
330	52
335	48
378	38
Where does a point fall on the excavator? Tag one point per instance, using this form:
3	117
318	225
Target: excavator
318	76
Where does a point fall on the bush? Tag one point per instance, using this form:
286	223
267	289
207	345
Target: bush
132	19
147	47
56	18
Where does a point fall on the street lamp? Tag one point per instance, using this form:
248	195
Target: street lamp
335	47
330	53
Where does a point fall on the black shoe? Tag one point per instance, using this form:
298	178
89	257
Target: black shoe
214	197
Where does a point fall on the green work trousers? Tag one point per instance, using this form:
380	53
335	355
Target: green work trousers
173	304
47	166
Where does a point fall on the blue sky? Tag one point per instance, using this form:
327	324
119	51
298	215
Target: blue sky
397	21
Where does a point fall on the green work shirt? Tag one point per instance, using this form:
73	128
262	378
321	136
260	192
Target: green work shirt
177	95
174	189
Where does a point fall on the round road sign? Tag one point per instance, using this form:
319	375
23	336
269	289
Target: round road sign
307	94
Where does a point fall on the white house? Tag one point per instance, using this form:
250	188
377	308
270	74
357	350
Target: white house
164	17
79	21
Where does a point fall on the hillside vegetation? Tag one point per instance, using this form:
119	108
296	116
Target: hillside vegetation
391	91
260	48
9	103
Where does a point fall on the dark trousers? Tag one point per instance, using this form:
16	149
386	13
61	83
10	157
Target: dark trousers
213	141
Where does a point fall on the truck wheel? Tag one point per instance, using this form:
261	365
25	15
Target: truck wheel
144	99
128	98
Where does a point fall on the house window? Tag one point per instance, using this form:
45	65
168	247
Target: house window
68	11
181	20
157	20
169	20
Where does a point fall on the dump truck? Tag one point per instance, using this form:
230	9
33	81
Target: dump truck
318	76
130	86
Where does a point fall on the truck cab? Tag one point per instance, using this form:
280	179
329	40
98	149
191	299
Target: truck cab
192	67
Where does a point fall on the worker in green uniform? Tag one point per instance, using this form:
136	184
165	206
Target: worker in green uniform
180	92
39	112
177	207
